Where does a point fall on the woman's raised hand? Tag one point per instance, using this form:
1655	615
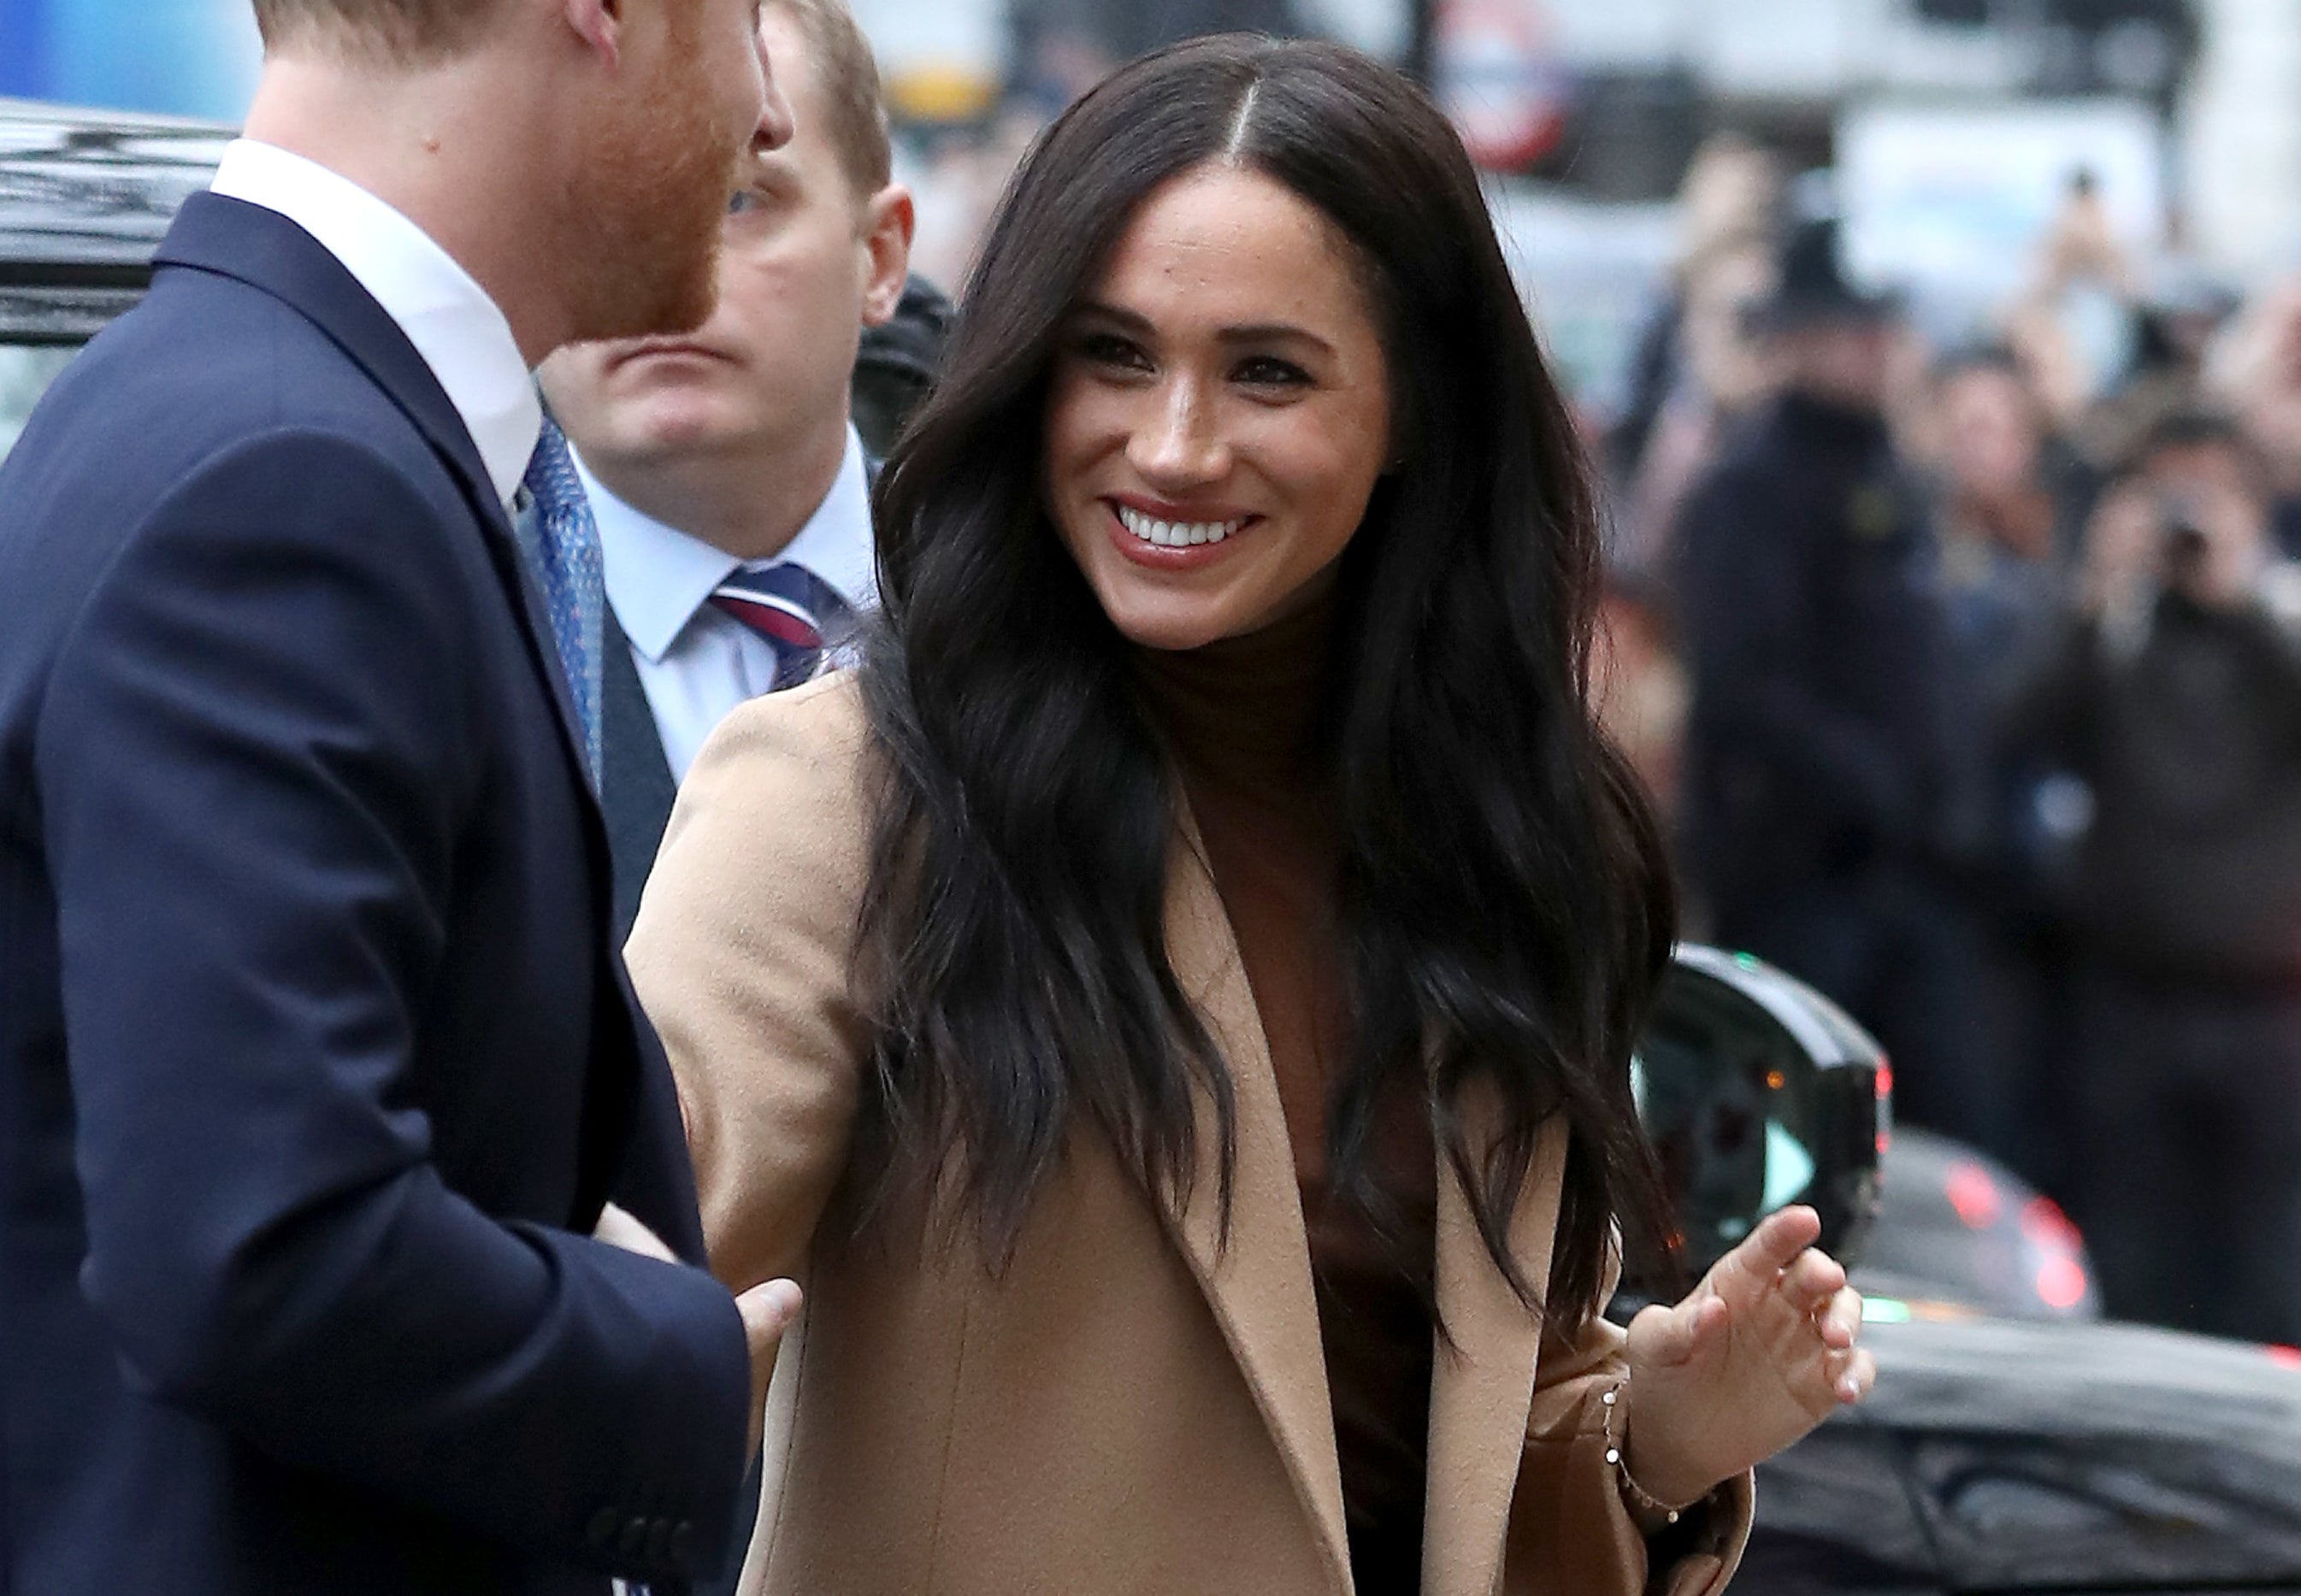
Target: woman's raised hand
1756	1355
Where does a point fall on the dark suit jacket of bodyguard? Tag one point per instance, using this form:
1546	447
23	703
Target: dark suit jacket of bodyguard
315	1046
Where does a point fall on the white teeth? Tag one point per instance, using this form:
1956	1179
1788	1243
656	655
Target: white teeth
1175	534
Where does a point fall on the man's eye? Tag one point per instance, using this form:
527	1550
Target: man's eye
744	200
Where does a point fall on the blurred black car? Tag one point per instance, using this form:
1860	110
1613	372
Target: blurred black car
84	199
2012	1443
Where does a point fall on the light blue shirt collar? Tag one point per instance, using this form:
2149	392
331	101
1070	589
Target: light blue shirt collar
836	543
658	576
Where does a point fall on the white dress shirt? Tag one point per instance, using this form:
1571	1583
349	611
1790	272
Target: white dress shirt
697	662
457	329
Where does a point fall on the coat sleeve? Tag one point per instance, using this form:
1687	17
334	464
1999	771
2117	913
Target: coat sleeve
741	955
1570	1533
254	759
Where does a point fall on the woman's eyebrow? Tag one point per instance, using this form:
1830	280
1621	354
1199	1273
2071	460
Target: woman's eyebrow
1274	333
1253	332
1096	310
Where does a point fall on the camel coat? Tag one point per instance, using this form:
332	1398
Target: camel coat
1130	1408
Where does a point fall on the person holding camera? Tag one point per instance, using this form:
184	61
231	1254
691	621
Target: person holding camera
2174	696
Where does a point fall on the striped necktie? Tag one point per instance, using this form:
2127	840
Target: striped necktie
561	540
792	608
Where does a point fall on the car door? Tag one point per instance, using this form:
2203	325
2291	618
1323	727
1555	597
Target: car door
1836	1517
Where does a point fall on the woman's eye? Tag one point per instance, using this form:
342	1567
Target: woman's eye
1108	349
1268	371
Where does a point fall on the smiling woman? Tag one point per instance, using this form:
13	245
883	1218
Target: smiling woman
1174	1012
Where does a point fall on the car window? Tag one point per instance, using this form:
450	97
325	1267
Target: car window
1720	1087
26	369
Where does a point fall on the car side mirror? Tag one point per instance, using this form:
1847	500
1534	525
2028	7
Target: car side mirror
1758	1092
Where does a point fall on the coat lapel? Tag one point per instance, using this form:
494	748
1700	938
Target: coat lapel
1257	1279
1258	1284
1482	1386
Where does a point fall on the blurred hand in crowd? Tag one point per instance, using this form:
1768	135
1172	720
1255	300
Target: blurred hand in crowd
2122	550
1723	288
2255	369
2216	542
2203	538
2212	518
2081	245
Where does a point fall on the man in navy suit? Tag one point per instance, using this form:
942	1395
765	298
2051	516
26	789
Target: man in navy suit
317	1060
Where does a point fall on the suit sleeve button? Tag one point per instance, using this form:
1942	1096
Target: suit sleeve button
605	1524
683	1542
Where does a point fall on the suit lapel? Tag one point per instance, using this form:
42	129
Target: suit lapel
263	249
232	239
1482	1386
1257	1279
635	784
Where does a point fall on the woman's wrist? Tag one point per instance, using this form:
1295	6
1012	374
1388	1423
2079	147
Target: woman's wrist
1656	1495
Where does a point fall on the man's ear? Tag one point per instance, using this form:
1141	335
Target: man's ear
599	24
891	220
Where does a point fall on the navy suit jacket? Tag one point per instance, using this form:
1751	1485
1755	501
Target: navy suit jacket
636	786
316	1054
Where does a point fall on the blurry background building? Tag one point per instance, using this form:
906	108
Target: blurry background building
194	57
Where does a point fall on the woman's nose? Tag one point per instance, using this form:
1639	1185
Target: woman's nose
1179	442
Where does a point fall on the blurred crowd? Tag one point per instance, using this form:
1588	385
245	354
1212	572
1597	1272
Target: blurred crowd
1970	675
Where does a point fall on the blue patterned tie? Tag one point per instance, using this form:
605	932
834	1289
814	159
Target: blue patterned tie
793	609
562	541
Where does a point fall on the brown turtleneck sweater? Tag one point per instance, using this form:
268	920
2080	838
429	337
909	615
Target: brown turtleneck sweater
1239	716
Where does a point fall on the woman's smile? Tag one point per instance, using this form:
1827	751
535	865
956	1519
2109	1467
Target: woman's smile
1161	538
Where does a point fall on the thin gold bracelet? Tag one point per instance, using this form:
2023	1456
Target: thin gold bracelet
1637	1493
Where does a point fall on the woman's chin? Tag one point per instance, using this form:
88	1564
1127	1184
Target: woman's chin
1170	629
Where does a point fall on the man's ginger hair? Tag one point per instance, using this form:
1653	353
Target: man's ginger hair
405	31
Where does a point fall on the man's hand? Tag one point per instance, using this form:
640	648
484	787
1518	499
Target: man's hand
618	1228
2237	547
1760	1353
767	1309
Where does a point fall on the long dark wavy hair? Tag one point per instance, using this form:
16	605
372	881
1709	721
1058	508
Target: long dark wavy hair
1507	905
